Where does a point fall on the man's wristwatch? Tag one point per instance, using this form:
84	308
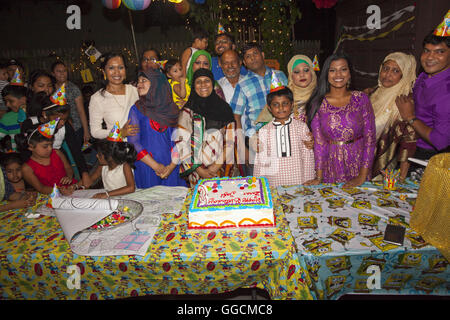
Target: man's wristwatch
410	122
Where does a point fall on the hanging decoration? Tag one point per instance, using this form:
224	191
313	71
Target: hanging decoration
183	7
112	4
137	5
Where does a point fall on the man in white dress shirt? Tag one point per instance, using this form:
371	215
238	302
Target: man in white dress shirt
231	64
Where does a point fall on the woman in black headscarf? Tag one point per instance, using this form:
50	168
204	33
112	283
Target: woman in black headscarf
156	116
206	137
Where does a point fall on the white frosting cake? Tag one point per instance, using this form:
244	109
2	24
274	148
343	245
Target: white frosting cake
231	202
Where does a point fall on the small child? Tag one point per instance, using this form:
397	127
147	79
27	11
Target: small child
199	42
16	200
180	93
116	160
46	166
48	110
282	156
12	167
15	98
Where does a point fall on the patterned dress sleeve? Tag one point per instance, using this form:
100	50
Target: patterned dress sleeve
320	144
369	132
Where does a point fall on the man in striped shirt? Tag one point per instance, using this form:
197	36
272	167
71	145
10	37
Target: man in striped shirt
250	94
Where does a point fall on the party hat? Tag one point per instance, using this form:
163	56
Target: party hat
161	63
17	79
275	83
443	30
115	134
220	29
48	129
55	194
59	97
316	64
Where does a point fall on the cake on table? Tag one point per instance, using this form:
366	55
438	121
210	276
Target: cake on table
231	202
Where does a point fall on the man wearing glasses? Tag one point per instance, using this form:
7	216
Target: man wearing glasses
223	42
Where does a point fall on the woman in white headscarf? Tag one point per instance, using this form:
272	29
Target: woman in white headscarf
396	139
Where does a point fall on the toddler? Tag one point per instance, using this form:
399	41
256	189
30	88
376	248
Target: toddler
180	87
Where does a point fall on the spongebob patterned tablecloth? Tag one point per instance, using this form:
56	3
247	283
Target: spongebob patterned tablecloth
35	257
339	234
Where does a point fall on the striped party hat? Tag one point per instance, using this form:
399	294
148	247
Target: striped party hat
115	134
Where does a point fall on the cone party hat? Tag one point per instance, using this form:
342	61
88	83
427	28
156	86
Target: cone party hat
275	83
443	29
316	64
48	129
115	134
17	79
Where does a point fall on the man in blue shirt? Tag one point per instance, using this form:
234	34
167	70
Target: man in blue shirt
223	42
251	91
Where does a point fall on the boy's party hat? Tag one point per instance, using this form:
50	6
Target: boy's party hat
161	63
59	97
443	30
275	83
220	29
17	79
48	129
115	134
316	64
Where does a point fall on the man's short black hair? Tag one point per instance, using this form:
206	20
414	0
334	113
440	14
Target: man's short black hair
286	92
249	46
15	91
433	39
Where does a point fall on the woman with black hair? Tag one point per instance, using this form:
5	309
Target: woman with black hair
113	101
343	124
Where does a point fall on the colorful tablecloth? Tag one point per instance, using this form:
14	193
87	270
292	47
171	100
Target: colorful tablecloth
37	263
339	234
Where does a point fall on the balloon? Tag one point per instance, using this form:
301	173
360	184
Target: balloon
112	4
182	8
137	4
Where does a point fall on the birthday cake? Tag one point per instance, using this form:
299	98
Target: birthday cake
231	202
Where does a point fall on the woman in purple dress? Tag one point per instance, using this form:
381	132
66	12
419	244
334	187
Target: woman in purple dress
156	116
343	124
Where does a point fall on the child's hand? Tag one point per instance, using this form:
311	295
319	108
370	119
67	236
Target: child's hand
309	144
67	191
28	200
65	180
101	195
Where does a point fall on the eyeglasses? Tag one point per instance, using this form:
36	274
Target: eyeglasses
149	59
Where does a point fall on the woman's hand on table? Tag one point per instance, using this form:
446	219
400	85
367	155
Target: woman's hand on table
355	182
